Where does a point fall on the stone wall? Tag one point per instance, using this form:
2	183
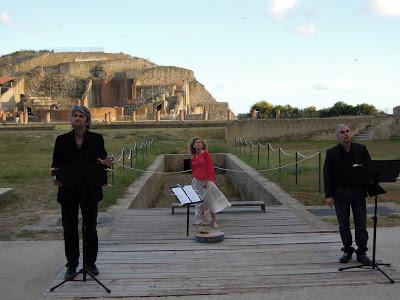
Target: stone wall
296	129
198	94
98	113
218	111
53	59
60	115
161	75
111	68
9	99
114	92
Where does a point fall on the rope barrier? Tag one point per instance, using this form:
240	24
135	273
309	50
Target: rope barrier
267	170
244	141
153	172
218	168
122	154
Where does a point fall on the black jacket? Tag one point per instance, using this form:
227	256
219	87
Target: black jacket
79	168
338	167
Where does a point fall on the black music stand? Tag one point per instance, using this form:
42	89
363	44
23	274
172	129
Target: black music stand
73	176
186	196
373	173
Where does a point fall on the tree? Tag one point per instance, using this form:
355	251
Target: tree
364	109
264	109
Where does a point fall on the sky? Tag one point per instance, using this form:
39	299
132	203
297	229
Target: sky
297	52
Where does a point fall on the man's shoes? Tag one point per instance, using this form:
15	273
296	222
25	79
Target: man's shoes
70	271
92	269
362	258
346	257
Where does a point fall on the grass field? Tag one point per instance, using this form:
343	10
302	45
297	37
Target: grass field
27	155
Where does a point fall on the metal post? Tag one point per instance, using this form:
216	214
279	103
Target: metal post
123	157
130	156
112	174
258	154
296	168
268	155
319	171
279	155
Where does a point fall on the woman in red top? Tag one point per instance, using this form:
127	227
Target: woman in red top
204	182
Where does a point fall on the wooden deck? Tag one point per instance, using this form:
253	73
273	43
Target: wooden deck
148	253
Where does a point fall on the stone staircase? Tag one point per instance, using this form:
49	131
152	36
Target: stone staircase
364	134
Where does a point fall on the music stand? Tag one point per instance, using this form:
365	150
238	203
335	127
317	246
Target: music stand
186	196
74	176
373	173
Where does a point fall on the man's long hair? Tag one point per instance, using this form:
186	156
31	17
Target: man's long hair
84	110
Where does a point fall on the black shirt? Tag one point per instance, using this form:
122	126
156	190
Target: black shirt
339	165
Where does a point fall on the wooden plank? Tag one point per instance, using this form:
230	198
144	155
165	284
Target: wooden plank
148	254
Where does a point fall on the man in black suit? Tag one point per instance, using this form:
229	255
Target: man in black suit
82	155
340	192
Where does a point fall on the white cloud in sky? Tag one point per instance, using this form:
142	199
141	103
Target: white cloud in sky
5	17
336	84
387	8
307	30
280	8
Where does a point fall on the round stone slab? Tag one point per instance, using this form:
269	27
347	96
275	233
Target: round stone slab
211	237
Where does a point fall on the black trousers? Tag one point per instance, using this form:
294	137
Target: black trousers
70	217
344	199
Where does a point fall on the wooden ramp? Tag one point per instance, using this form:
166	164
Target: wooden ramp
148	254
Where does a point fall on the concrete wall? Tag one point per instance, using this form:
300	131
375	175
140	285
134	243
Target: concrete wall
252	186
146	188
296	129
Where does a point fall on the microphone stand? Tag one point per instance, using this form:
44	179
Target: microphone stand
84	269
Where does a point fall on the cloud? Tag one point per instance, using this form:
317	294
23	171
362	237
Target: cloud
336	84
5	18
386	8
281	7
219	86
307	30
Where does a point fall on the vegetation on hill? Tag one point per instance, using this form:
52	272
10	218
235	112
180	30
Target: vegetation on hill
266	110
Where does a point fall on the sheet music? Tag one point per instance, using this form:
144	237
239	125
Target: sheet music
186	194
180	194
191	193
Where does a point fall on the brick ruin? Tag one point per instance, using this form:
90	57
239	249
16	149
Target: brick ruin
113	86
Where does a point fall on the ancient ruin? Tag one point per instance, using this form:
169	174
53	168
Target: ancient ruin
42	85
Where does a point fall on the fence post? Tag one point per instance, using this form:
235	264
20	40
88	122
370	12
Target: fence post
268	155
123	157
279	156
112	174
319	171
130	156
258	154
296	168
